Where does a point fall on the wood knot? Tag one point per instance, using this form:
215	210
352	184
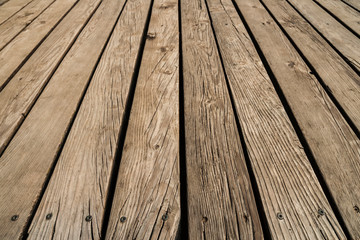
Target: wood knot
291	64
204	219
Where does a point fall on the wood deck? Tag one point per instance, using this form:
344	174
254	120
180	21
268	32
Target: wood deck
180	119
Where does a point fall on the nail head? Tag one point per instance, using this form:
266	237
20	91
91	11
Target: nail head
15	217
122	219
280	216
88	218
321	212
165	217
49	216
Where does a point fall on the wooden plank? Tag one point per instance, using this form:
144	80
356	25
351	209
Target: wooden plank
340	37
16	52
3	1
330	139
342	11
339	78
9	8
354	3
87	158
14	25
287	183
148	186
220	198
25	164
19	95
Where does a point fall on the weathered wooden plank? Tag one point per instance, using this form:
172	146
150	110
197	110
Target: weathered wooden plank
330	139
340	79
354	3
148	186
25	164
3	1
13	26
9	8
19	95
286	180
16	52
340	37
220	198
342	11
87	158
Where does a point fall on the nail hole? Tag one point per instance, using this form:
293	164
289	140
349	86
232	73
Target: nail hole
88	218
49	216
165	217
280	216
15	217
205	219
357	209
122	219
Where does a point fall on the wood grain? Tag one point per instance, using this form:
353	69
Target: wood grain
25	164
354	3
349	16
9	8
16	52
220	198
13	26
148	186
340	37
339	78
287	183
333	144
87	159
20	94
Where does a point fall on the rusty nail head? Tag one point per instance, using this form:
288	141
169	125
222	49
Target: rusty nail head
280	216
49	216
122	219
88	218
15	217
165	217
321	212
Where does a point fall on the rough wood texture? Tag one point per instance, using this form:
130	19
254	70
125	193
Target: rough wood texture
148	185
23	18
286	180
330	139
346	14
87	158
220	198
25	163
19	95
339	78
354	3
342	39
9	8
16	52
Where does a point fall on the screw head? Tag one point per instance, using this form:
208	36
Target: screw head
280	216
49	216
165	217
123	219
14	218
88	218
321	212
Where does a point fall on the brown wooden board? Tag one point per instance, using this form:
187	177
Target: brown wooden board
340	37
9	8
334	145
17	51
354	3
88	156
146	204
220	198
20	94
25	164
349	16
290	192
338	77
18	22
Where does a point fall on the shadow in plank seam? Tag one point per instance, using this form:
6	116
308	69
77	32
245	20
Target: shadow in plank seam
259	205
184	224
61	146
123	129
292	117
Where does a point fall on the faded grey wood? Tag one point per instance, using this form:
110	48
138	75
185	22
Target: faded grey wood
148	186
26	162
88	156
335	147
220	198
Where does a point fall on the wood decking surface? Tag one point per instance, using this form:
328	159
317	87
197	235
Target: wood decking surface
179	119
